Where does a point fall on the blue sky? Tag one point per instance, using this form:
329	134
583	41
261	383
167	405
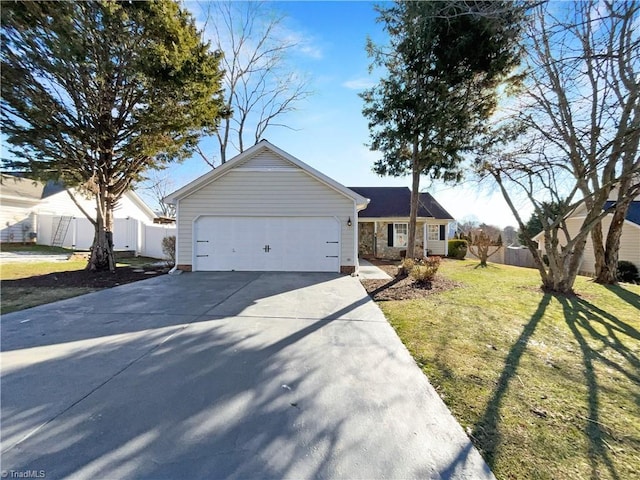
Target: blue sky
330	132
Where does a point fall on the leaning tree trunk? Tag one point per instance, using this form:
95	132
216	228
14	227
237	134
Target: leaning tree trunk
607	270
597	240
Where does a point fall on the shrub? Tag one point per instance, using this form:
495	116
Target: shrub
457	249
169	248
424	270
627	272
405	266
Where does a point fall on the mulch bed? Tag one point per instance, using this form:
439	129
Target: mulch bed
403	287
84	278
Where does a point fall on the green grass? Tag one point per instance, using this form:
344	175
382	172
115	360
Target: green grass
16	298
15	270
137	261
32	247
546	386
20	298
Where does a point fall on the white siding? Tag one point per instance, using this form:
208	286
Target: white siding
437	247
61	204
16	222
267	160
266	193
629	243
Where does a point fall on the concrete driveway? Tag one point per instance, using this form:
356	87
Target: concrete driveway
222	375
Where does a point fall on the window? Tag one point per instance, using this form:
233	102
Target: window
400	234
433	232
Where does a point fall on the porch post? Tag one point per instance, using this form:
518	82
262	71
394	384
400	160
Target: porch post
375	239
446	241
424	243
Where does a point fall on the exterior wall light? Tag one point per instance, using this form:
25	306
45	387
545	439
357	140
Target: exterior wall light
349	222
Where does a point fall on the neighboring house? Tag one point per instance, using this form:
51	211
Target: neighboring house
629	240
384	225
18	198
265	210
44	212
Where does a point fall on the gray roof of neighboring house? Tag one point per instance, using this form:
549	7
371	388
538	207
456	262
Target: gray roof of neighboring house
633	214
15	186
396	202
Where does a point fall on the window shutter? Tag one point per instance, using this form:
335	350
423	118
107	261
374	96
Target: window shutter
442	232
390	235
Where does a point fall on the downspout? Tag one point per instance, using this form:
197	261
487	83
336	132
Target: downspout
174	270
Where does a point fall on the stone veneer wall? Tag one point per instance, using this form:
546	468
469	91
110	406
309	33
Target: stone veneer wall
365	239
393	253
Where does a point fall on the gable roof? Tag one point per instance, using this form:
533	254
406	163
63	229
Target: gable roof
396	202
633	214
20	188
207	178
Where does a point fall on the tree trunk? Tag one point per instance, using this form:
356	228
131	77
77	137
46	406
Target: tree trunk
598	247
563	267
483	253
415	195
607	271
102	257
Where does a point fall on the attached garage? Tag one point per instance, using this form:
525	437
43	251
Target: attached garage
294	244
265	210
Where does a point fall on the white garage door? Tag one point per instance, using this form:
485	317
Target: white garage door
291	244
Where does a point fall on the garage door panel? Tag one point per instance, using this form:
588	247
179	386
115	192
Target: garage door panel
267	243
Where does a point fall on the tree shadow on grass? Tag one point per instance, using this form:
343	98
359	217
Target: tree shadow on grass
628	296
585	321
582	318
486	433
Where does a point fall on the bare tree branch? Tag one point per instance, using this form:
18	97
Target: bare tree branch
259	84
579	122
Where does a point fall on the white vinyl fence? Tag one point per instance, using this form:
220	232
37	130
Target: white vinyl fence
128	234
152	236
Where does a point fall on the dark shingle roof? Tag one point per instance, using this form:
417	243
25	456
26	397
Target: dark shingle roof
396	202
633	214
432	205
52	187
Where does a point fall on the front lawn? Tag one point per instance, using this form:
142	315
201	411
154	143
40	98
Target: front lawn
28	284
546	386
34	248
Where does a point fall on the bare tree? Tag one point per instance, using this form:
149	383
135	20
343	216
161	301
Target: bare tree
158	185
510	236
260	84
579	130
481	244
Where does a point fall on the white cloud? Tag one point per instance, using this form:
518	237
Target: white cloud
359	83
307	49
